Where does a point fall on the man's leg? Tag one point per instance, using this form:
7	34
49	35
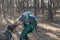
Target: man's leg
25	32
28	28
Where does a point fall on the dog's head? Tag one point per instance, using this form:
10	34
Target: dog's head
10	27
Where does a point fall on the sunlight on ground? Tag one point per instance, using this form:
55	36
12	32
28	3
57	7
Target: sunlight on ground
14	36
10	20
58	15
58	11
49	27
53	36
4	21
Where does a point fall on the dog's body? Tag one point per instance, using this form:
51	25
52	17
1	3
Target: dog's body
7	35
3	37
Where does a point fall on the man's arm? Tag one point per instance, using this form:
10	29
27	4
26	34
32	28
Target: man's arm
36	22
17	22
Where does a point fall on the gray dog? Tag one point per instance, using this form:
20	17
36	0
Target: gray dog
7	35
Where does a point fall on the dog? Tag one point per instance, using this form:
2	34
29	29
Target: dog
7	34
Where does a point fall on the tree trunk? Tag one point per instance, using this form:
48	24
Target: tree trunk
54	7
50	13
2	1
36	7
42	6
27	6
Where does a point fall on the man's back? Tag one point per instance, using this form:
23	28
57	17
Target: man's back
29	17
